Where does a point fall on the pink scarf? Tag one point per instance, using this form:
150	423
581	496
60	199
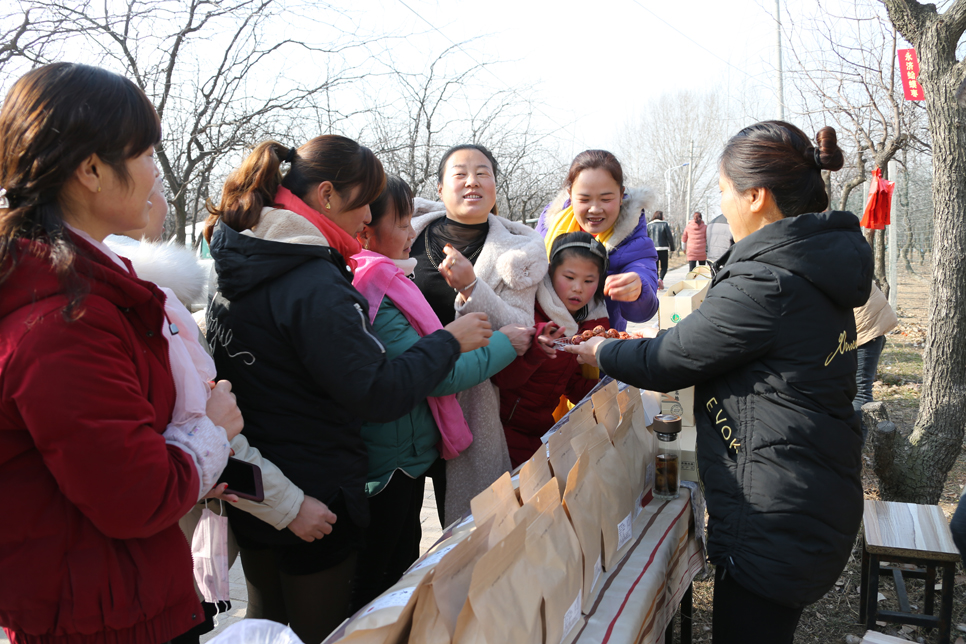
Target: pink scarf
378	277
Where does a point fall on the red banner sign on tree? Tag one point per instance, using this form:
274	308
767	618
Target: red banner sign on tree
909	73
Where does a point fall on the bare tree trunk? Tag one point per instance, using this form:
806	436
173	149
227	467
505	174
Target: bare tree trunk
855	181
881	274
827	179
922	461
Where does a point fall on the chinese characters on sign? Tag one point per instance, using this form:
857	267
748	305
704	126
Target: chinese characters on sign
909	73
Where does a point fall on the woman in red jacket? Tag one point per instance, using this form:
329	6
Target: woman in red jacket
695	239
100	453
570	300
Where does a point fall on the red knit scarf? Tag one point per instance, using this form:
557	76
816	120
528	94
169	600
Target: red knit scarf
346	244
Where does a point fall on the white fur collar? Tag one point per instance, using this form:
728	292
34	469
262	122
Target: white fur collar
555	309
166	264
277	224
513	253
407	266
630	215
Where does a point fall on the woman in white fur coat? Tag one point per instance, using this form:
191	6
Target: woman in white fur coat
471	260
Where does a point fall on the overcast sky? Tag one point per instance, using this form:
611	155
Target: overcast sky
592	64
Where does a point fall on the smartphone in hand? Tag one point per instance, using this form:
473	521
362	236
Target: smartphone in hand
244	480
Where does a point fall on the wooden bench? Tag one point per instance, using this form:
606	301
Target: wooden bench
906	533
875	637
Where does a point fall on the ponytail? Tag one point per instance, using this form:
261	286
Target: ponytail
249	188
336	159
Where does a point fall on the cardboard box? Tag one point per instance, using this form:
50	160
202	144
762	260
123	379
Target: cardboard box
680	300
699	272
680	403
689	456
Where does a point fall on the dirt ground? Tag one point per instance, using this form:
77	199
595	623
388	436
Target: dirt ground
835	616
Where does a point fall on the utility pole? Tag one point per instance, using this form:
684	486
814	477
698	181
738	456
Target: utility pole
778	44
687	209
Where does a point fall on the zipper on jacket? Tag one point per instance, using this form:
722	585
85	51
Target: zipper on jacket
514	410
362	318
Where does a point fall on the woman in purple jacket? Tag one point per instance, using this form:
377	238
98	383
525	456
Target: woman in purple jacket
595	201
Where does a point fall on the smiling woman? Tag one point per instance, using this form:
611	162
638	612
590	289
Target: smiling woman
469	260
595	201
102	450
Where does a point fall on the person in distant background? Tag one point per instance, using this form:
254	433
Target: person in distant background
872	321
695	241
660	233
719	238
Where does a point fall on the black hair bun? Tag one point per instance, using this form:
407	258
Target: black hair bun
828	155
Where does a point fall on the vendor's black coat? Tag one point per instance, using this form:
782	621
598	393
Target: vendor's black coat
292	334
772	352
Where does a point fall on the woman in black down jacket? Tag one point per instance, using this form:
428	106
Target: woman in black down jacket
307	368
771	352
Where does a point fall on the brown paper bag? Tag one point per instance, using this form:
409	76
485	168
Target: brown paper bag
534	475
606	408
500	502
501	605
388	618
628	397
556	564
581	413
440	600
629	400
562	455
545	498
632	454
617	498
581	501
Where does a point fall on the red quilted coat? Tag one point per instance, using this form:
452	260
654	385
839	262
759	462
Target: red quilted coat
90	549
531	387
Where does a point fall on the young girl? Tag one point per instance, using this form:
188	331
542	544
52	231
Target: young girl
595	201
402	450
570	300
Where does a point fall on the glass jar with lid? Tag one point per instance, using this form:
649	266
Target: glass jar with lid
667	464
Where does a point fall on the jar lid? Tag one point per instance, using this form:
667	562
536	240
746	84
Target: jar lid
667	424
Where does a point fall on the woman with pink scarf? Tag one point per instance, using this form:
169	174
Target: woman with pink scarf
401	452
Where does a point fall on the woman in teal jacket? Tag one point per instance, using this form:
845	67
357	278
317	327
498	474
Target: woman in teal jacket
402	451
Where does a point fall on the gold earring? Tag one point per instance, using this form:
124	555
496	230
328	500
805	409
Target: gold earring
367	244
328	206
98	188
